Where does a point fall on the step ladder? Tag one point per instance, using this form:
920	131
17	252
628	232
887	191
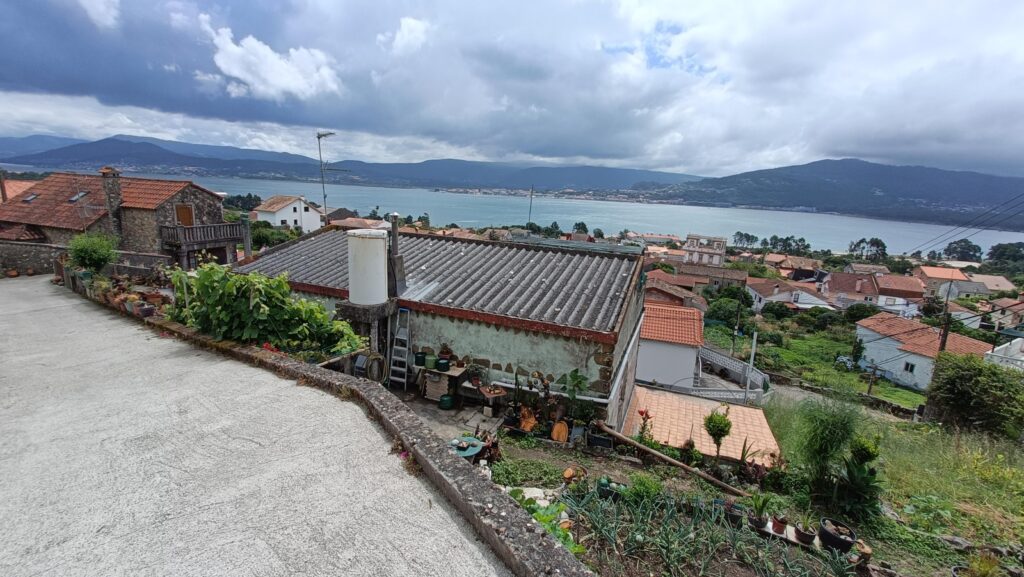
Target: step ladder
400	371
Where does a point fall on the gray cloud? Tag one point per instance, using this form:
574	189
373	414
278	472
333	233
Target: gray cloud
703	87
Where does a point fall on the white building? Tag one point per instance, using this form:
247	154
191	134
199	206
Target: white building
904	351
766	290
670	341
290	211
1010	354
700	249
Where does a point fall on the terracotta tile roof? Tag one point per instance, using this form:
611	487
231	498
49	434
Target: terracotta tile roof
899	285
774	258
680	280
711	271
919	338
941	273
864	268
49	202
16	187
349	223
849	283
21	232
655	284
1012	305
675	418
766	286
276	203
993	282
673	324
953	307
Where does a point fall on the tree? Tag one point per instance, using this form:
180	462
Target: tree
860	311
777	310
1007	251
968	392
408	219
876	250
858	351
452	225
934	255
827	319
664	266
243	202
736	293
580	227
672	245
744	239
375	214
718	427
598	233
726	310
963	249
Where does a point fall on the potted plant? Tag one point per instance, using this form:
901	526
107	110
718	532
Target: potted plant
445	352
759	506
836	535
477	374
985	564
131	302
734	513
779	523
804	528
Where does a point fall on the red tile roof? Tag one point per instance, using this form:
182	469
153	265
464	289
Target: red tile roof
673	324
21	232
49	203
941	273
766	286
1012	305
683	280
355	222
919	338
899	285
16	187
654	284
851	283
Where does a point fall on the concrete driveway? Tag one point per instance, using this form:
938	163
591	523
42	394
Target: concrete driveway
124	453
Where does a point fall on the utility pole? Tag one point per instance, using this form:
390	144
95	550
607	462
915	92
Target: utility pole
750	367
736	328
529	217
947	319
874	375
320	135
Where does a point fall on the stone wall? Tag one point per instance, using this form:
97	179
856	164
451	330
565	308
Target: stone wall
206	207
26	256
139	230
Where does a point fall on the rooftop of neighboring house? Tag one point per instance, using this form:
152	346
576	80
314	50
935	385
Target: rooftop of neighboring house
657	237
852	283
1012	305
341	214
958	264
76	201
767	287
966	287
655	284
680	280
899	285
710	271
276	203
13	188
954	307
20	232
940	273
355	222
543	288
993	282
919	338
673	324
677	418
865	268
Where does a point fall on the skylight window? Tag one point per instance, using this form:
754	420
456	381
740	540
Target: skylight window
30	197
78	195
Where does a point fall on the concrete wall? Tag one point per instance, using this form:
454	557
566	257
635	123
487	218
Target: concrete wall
509	351
666	363
22	256
891	360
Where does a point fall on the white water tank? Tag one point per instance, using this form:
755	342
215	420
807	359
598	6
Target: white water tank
367	266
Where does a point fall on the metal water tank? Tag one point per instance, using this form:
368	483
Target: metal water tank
367	266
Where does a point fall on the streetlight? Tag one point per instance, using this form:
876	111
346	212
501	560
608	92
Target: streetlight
320	135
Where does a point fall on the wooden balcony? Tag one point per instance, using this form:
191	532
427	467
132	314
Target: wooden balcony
189	237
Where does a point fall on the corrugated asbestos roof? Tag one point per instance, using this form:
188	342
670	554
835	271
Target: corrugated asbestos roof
568	288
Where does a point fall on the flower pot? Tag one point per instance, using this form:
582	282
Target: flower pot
443	365
420	359
476	381
805	537
146	311
446	402
779	525
836	535
734	515
129	307
757	522
431	361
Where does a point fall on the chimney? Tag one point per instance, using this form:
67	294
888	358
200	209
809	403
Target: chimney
1020	297
775	290
860	283
112	193
3	188
397	286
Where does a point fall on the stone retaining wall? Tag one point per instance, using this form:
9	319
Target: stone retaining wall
514	536
22	256
866	400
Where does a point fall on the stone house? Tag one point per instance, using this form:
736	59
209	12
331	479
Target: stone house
934	277
175	218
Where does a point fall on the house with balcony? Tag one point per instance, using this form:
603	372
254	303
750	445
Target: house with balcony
176	219
706	250
1010	354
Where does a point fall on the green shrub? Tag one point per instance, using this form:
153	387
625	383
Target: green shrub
255	308
826	428
968	392
93	251
643	488
860	311
526	473
863	450
718	427
826	320
776	310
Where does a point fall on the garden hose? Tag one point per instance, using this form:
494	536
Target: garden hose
375	367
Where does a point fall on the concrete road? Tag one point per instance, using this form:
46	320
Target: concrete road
124	453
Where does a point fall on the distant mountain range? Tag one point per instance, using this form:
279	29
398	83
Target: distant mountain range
856	187
153	155
846	186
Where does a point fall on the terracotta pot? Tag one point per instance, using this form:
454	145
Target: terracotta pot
779	525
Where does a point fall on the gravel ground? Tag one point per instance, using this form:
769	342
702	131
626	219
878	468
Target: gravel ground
124	453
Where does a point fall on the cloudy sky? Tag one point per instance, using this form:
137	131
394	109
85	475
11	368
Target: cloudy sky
708	88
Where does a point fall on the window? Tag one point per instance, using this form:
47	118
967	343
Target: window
296	221
30	197
305	209
295	209
908	367
890	300
78	195
284	222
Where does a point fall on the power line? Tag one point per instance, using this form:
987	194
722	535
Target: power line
964	227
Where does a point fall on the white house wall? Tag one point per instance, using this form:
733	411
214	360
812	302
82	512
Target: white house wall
294	215
666	363
885	352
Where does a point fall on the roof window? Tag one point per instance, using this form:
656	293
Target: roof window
78	196
30	197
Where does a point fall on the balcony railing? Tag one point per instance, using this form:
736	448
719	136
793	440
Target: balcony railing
205	233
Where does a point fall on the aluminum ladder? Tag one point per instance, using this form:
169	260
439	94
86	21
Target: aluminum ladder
398	372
